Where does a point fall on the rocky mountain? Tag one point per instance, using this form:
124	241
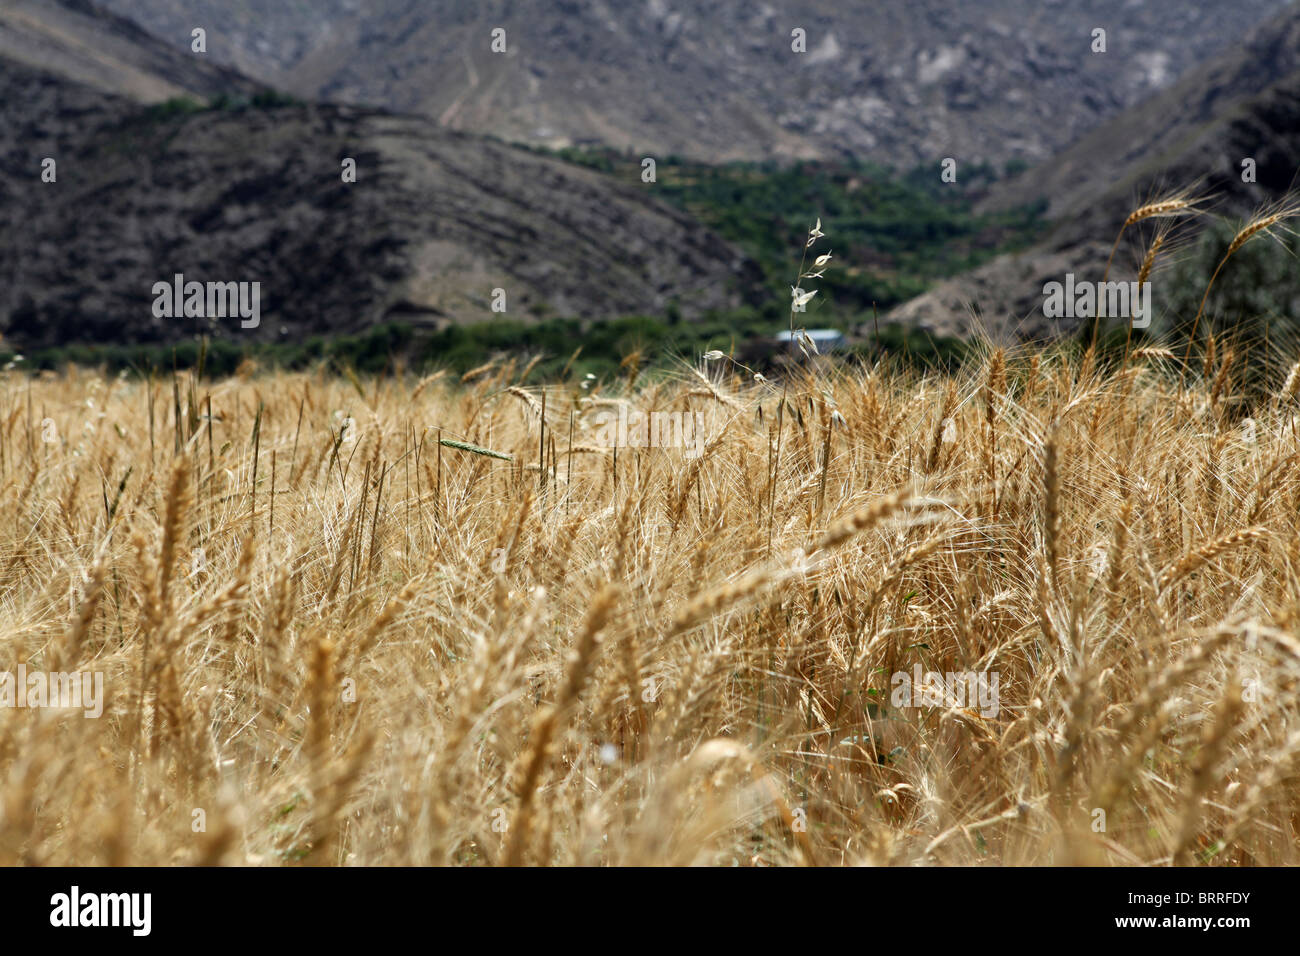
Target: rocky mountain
903	82
435	223
1243	105
78	40
1196	127
248	188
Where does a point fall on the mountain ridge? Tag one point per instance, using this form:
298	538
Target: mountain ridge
902	83
1192	137
436	222
86	42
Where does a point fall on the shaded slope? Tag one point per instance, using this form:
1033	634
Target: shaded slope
436	221
1245	104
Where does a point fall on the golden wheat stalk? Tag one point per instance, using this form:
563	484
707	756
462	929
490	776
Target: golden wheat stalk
1178	204
1261	224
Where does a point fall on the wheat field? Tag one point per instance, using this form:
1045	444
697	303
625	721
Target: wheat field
334	631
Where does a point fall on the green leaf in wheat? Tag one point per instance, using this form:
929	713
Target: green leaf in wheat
475	449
